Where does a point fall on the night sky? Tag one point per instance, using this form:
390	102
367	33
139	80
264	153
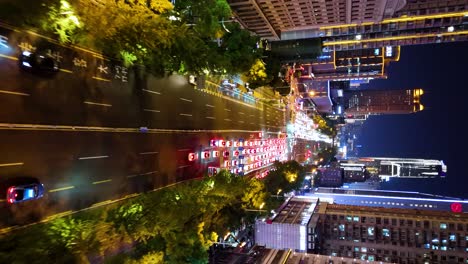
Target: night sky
438	132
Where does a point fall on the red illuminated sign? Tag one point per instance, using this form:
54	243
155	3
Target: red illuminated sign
456	207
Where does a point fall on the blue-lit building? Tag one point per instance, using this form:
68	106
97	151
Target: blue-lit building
391	199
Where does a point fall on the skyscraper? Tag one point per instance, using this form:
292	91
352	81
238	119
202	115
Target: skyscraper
392	235
272	18
372	102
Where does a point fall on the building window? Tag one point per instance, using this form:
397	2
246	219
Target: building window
443	226
370	231
341	227
386	232
356	219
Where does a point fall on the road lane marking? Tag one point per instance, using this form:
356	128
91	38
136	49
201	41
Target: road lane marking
64	70
62	189
14	93
183	149
63	128
240	113
141	174
207	105
241	121
8	57
149	110
94	157
251	115
185	114
148	173
210	117
183	99
229	110
226	119
103	181
252	123
148	153
100	79
149	91
92	103
11	164
180	167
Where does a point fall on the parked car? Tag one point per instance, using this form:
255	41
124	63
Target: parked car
27	192
37	62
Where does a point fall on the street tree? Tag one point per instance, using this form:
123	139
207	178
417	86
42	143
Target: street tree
284	177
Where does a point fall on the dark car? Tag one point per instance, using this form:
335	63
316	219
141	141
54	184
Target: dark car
22	193
36	62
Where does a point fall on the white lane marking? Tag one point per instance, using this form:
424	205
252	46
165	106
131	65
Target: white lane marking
94	157
103	181
241	121
207	105
141	174
185	114
251	115
62	189
180	167
183	149
210	117
11	164
13	93
92	103
149	91
240	113
229	110
183	99
252	123
226	119
148	153
149	110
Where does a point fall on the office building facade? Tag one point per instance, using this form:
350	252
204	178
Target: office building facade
271	18
392	235
373	102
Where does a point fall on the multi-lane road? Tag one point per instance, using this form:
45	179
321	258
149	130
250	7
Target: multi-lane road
79	132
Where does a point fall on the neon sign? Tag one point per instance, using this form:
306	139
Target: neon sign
456	207
3	41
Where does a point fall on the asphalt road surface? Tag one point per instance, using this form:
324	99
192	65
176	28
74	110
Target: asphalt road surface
88	148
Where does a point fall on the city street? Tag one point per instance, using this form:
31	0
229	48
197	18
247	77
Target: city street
91	134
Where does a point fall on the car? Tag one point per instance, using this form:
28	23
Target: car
37	62
23	193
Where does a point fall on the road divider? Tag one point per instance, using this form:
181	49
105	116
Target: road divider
35	127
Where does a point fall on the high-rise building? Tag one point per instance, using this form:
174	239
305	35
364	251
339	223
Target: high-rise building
308	224
357	195
271	18
372	102
392	235
351	65
387	168
356	24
